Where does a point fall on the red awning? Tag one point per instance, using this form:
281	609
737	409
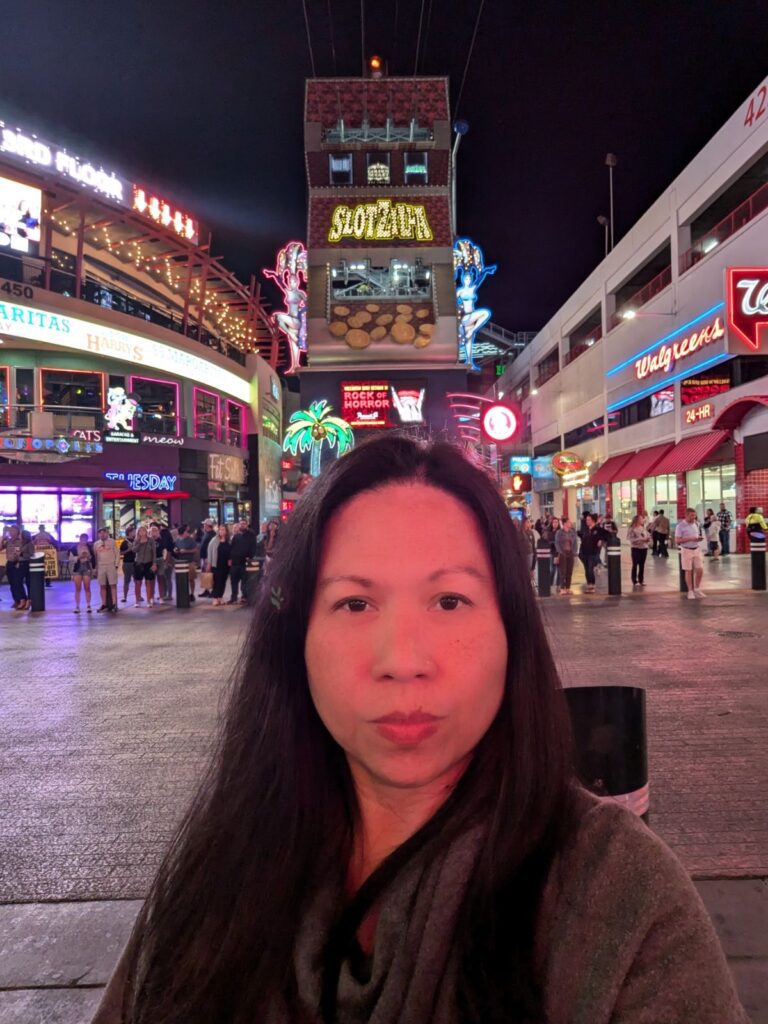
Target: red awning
609	471
733	414
642	462
152	495
692	452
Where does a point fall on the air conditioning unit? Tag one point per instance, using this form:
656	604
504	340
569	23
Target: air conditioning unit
40	424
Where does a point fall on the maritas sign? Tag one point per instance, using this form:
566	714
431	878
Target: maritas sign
382	221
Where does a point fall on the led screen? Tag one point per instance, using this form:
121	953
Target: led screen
72	528
8	505
20	208
76	504
40	508
663	401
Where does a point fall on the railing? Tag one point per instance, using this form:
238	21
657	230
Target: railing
645	294
578	348
546	373
365	132
728	226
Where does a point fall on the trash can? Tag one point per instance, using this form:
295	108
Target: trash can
181	572
610	743
613	553
253	572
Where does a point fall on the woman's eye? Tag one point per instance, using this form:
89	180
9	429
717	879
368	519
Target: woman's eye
354	604
450	602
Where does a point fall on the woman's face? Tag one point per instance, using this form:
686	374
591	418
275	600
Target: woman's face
406	651
222	533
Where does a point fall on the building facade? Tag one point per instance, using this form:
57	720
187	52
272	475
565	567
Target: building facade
654	373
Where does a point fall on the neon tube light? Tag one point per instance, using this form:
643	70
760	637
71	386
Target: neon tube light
668	380
668	337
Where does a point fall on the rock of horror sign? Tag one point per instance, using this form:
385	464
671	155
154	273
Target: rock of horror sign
382	221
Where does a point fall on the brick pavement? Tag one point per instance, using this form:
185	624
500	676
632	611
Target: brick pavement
106	723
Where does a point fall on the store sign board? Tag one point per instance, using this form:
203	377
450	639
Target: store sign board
746	292
381	221
162	439
667	355
366	403
540	467
160	482
575	478
87	336
498	423
226	469
696	389
161	211
567	462
698	413
51	445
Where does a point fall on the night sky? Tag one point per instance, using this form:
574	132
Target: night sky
204	100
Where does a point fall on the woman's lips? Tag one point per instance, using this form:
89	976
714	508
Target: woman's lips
407	729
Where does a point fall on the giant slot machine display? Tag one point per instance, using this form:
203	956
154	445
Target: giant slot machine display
380	331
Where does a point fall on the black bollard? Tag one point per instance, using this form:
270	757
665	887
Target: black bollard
683	584
610	745
544	567
613	552
37	582
252	579
181	572
757	555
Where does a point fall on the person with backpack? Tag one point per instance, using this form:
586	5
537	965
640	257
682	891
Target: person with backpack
756	525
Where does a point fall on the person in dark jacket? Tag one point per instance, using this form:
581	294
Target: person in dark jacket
590	537
209	533
18	552
220	554
243	548
164	543
129	558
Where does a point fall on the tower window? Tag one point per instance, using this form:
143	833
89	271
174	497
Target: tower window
377	166
341	168
416	169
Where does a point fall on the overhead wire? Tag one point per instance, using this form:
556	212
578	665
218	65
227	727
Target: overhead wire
333	42
309	39
427	24
418	38
362	36
469	56
393	48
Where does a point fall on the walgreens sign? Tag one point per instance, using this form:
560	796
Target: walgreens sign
667	355
746	292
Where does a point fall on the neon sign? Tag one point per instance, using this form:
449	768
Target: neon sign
408	403
667	355
696	413
52	445
469	271
567	462
162	212
747	301
145	481
289	275
498	423
308	430
382	221
575	478
366	403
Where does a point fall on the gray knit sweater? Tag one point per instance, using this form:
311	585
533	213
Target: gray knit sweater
622	938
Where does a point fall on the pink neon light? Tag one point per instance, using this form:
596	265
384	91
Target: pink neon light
155	380
211	394
235	405
7	372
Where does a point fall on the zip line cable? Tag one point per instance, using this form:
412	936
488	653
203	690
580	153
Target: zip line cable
333	44
393	49
362	35
427	24
418	38
469	57
309	39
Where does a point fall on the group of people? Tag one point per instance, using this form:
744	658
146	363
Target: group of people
19	546
567	543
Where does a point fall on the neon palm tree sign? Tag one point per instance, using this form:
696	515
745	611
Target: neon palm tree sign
308	430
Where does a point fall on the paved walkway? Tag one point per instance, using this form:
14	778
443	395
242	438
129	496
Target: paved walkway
106	722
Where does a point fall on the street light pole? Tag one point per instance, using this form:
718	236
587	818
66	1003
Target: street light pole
460	128
611	162
603	221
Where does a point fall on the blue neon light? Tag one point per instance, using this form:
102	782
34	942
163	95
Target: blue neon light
469	271
660	385
669	337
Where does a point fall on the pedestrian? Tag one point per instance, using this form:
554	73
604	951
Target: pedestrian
208	534
712	533
186	550
392	818
128	556
270	540
15	549
688	538
83	569
554	576
725	519
662	529
165	544
243	549
608	529
107	561
219	557
529	538
755	524
145	566
42	540
590	539
639	539
566	546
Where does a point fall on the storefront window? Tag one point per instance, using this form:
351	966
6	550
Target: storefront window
159	402
206	415
72	389
660	491
709	486
234	424
624	494
25	396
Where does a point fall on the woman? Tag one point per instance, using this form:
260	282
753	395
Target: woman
270	540
566	545
554	561
390	829
219	554
18	552
83	569
529	539
639	539
591	536
144	565
712	533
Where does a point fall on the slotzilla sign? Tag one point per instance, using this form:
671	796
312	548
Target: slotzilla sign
71	332
381	221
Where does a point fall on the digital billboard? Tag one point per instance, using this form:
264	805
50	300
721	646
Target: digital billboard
20	212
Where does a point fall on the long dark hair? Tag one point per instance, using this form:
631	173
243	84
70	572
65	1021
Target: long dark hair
277	812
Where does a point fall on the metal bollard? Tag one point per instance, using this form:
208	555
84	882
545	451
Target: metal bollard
252	580
757	556
37	582
613	552
683	584
611	749
181	572
544	567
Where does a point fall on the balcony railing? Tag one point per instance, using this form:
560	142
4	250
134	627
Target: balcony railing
578	348
546	373
728	226
644	295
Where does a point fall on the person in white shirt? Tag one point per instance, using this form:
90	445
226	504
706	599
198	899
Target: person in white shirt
107	558
688	538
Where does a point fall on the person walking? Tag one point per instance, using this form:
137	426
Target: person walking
186	550
145	565
589	550
219	557
725	520
662	529
712	533
566	545
554	572
639	539
208	536
688	538
128	556
273	530
243	548
107	561
83	569
14	547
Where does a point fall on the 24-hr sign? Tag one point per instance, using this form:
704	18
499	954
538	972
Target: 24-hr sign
747	301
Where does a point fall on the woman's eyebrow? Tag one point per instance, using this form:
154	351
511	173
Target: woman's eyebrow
361	581
368	584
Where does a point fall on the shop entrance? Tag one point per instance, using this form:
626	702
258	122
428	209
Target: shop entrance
119	514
